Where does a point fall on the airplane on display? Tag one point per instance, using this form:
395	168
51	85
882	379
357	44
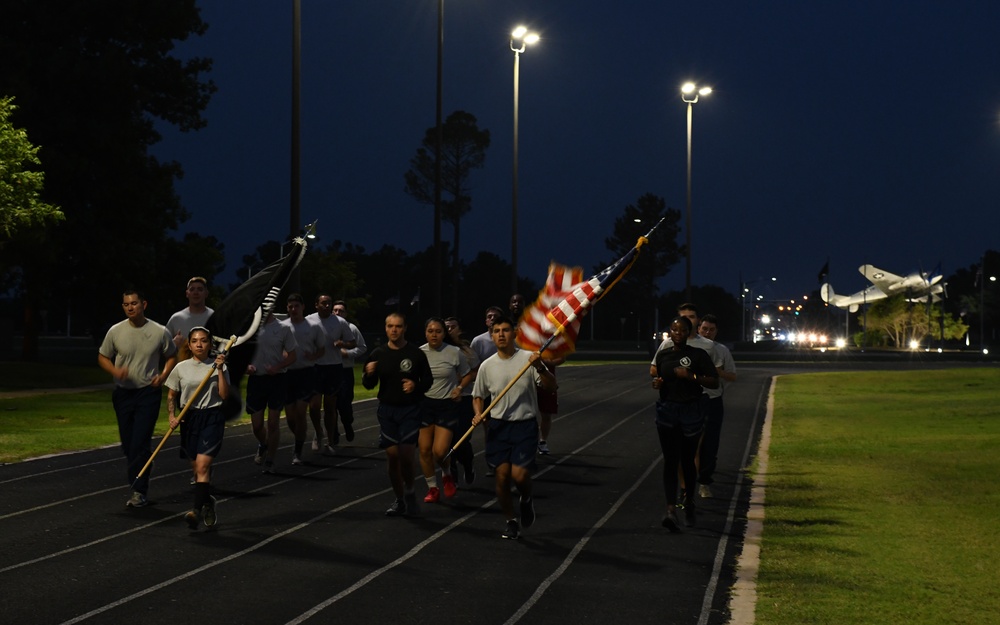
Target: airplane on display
918	287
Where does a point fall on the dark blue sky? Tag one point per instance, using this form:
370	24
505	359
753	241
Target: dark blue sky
852	130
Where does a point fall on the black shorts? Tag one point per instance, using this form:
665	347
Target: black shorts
329	379
301	385
440	412
266	391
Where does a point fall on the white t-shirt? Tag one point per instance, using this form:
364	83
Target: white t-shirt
520	403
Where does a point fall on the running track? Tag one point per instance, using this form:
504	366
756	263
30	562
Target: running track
311	544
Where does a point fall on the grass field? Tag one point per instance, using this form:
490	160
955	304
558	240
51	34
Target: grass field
44	424
882	504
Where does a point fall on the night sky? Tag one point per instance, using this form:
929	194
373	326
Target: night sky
853	131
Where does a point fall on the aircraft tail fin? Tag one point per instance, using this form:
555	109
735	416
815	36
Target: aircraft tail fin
830	297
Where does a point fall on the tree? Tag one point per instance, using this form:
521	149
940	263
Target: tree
92	80
463	149
636	294
20	186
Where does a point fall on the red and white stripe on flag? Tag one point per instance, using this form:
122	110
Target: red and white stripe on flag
538	323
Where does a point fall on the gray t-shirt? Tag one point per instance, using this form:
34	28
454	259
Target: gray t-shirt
520	403
189	374
274	339
310	338
336	329
448	366
140	350
183	320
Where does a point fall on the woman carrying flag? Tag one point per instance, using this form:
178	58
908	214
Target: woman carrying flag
204	421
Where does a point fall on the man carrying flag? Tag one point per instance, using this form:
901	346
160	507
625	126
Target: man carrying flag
513	424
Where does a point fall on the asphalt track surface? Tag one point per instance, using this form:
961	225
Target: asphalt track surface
311	544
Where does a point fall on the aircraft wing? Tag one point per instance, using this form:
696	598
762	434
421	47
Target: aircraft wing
886	281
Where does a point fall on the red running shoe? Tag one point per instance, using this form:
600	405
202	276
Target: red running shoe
433	495
449	486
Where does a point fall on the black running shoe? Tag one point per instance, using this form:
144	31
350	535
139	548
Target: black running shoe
670	521
511	531
398	508
191	517
527	512
208	512
349	432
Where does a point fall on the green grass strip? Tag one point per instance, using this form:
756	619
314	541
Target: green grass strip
882	504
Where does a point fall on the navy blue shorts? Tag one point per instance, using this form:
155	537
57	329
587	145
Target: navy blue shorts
512	442
329	379
301	385
689	416
266	391
201	432
440	412
398	425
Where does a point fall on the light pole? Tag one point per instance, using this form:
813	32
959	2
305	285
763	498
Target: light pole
690	93
520	38
438	141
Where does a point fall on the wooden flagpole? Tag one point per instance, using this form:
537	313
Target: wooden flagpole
510	384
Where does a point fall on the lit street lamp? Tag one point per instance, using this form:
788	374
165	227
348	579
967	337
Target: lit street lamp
520	38
690	93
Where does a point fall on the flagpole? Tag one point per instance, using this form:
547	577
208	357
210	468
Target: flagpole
562	323
180	417
493	403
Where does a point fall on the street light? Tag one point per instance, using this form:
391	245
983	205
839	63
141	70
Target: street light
520	39
690	93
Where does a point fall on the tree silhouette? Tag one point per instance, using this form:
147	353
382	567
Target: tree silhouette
91	81
463	149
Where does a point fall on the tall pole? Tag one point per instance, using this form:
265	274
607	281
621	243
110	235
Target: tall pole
513	220
295	217
439	141
687	221
982	310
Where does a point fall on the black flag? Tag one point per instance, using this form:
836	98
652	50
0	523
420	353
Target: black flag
823	273
242	312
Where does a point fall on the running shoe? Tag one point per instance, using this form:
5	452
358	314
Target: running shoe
296	460
511	531
259	458
208	512
704	491
448	486
329	451
670	521
316	444
433	495
269	467
543	448
412	509
490	470
336	437
398	508
470	474
689	515
527	512
349	432
191	517
136	500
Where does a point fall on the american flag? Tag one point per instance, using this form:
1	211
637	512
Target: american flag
552	323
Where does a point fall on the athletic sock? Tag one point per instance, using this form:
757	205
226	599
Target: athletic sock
201	494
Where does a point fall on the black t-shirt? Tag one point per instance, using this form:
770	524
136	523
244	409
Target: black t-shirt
394	366
692	358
